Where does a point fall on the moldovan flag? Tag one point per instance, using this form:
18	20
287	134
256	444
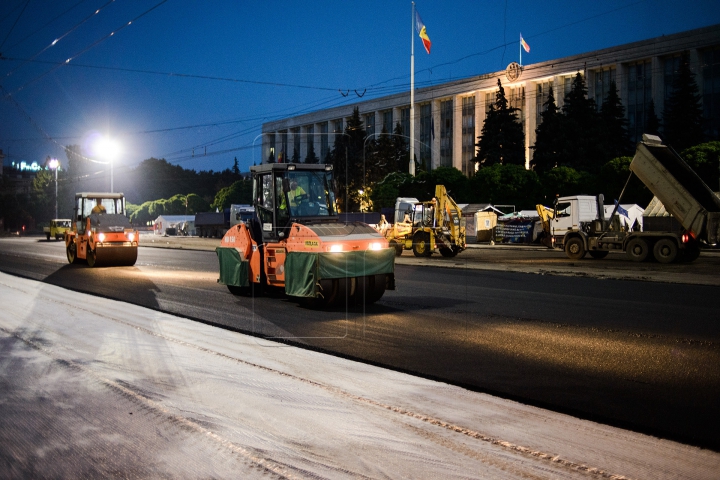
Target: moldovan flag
420	27
524	44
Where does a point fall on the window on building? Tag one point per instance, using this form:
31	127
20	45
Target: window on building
310	139
603	79
405	121
671	65
295	155
338	127
639	96
446	133
370	124
324	141
516	99
542	91
282	154
387	121
710	70
271	148
426	134
468	135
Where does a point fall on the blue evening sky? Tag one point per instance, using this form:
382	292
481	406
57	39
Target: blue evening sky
202	76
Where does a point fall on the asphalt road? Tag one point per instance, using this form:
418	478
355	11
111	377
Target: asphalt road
636	354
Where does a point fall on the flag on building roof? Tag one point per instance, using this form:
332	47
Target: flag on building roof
422	31
524	44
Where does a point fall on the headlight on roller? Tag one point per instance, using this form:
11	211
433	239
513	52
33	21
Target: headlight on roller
131	237
335	248
101	237
375	246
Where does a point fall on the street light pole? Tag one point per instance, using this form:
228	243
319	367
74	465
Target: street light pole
55	164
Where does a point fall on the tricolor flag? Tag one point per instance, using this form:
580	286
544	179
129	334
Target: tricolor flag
420	27
524	44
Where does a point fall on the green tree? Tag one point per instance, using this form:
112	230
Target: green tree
561	181
235	167
704	159
387	190
311	157
548	151
615	137
653	122
401	152
581	128
239	192
683	111
614	177
295	156
506	185
346	157
502	140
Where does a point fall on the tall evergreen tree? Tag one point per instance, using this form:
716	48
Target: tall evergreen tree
502	140
401	153
548	151
295	156
683	112
615	137
653	122
236	167
582	129
311	157
346	157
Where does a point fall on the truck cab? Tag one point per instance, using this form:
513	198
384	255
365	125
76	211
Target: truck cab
571	213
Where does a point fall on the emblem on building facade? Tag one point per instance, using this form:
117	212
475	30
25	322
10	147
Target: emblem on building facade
513	71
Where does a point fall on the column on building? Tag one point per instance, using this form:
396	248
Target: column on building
480	114
435	125
457	132
530	120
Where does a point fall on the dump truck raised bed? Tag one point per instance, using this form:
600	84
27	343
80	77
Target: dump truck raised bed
577	223
295	243
101	233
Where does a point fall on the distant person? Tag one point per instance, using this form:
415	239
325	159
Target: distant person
296	194
383	224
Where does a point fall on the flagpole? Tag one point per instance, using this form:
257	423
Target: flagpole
521	47
411	164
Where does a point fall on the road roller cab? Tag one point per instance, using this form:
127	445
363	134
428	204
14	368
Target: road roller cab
295	242
101	232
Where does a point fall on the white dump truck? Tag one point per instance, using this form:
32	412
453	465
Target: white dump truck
578	224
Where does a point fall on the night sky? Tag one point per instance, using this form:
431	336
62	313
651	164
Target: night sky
193	81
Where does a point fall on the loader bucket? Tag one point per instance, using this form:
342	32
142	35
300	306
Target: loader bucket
113	257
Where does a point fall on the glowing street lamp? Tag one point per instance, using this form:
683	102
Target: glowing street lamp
107	149
54	164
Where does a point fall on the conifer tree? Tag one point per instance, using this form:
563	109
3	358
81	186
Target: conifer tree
614	132
311	157
683	112
653	122
346	157
581	129
502	140
401	153
548	151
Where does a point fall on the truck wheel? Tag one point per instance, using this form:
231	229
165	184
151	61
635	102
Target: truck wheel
598	254
575	248
449	252
398	248
637	249
665	250
72	253
91	258
421	245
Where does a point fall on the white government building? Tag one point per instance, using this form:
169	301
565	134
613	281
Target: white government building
456	110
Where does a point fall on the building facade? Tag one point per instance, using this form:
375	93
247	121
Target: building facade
449	117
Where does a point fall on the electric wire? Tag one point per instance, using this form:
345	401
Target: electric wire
14	24
46	25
